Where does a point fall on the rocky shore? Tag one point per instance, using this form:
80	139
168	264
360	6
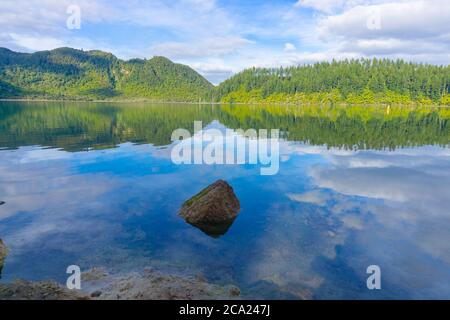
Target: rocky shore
98	284
43	290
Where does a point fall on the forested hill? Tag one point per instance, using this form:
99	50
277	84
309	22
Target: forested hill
351	81
67	73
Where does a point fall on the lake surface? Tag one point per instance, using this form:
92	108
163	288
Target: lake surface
93	184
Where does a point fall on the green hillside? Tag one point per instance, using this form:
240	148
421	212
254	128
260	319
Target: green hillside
349	81
66	73
74	74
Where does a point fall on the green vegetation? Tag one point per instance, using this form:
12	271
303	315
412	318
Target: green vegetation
74	74
94	75
82	126
348	82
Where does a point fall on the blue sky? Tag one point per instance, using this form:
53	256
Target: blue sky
219	38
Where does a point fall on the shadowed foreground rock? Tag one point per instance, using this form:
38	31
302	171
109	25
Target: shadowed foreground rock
213	209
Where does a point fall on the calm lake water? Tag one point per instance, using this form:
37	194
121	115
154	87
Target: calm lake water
94	185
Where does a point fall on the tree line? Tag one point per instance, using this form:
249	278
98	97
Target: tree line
363	81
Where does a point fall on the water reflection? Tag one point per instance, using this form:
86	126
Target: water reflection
308	232
85	126
214	230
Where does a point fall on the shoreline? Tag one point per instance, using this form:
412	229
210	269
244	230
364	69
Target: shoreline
343	104
109	101
99	284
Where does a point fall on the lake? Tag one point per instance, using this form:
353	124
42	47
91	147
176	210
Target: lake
93	184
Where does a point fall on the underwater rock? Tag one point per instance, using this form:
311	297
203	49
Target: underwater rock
96	294
213	209
43	290
234	291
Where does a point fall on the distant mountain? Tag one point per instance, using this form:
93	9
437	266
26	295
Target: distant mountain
67	73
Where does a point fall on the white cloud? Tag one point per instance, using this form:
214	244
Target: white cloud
406	29
289	47
314	197
210	47
216	70
402	20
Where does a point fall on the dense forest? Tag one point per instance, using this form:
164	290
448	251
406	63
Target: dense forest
79	126
349	81
95	75
75	74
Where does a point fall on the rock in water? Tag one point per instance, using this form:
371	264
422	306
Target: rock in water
213	209
3	249
3	254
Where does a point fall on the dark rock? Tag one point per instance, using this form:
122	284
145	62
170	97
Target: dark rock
96	294
234	291
2	203
3	250
213	209
3	254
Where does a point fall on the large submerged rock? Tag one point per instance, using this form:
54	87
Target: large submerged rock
213	209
